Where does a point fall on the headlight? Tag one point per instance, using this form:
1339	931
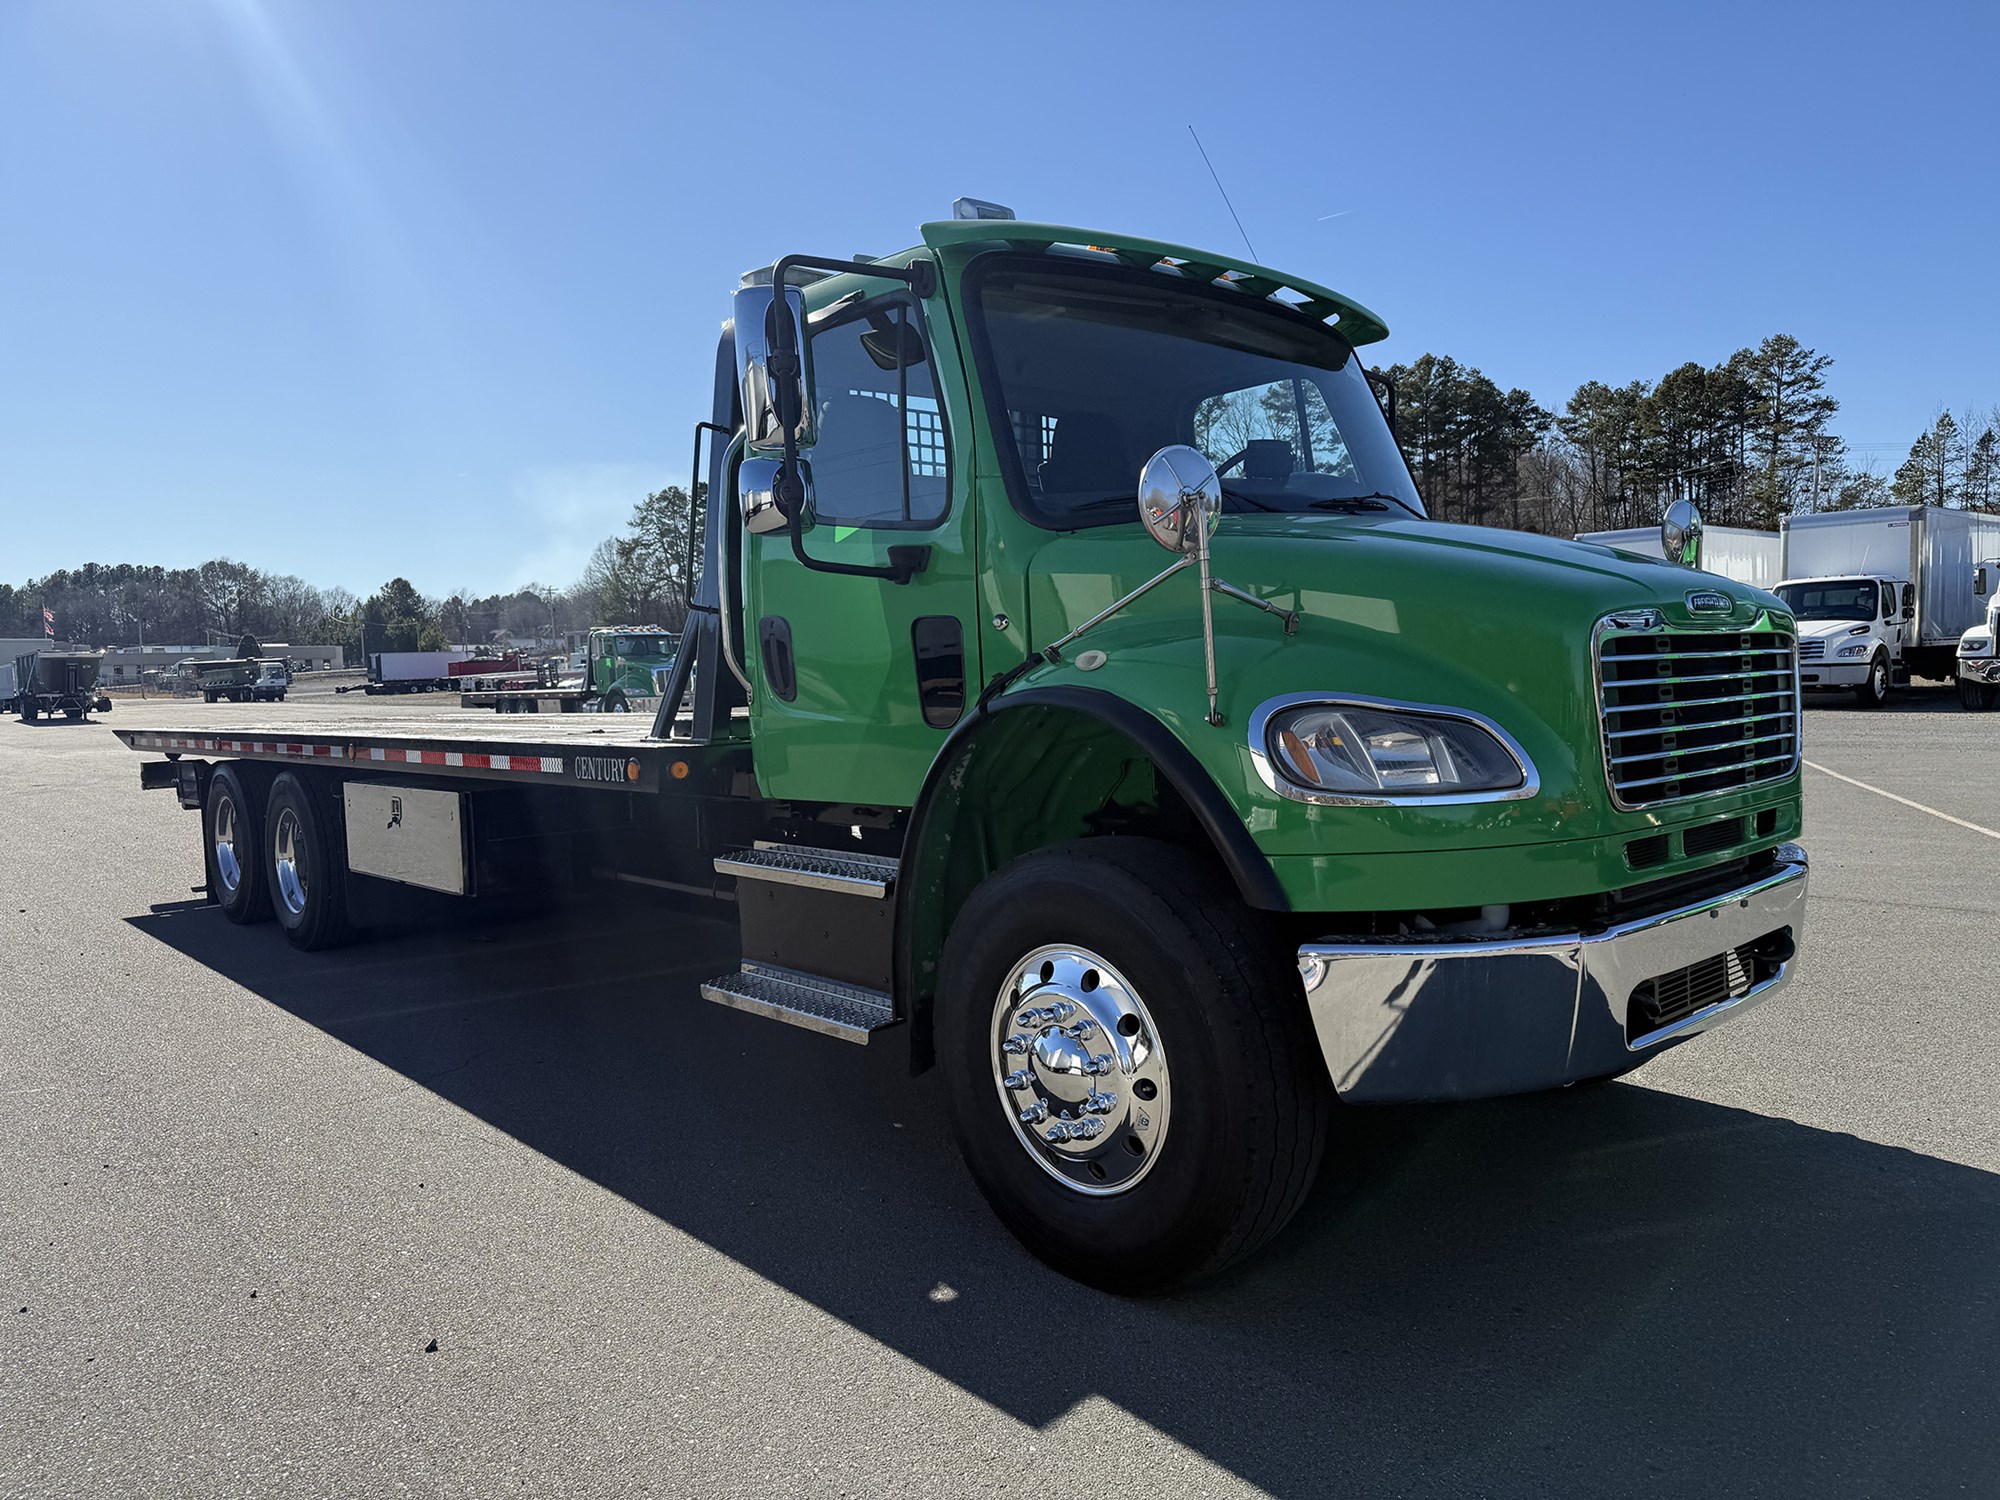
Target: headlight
1975	645
1343	749
1856	650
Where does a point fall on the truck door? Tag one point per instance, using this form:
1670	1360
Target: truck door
1894	629
857	679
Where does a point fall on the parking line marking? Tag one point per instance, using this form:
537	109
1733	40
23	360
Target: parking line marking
1904	800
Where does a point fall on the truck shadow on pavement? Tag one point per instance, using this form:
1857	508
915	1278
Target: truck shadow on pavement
1604	1289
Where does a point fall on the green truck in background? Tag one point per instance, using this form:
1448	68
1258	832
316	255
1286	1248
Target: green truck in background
619	669
1166	859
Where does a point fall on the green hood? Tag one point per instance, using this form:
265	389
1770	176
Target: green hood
1497	622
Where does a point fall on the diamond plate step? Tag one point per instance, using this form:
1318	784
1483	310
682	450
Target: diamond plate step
870	875
847	1011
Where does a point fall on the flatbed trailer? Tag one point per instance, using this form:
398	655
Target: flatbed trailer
1161	871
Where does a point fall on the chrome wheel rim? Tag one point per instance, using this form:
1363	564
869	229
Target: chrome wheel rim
1881	680
1079	1069
227	867
287	844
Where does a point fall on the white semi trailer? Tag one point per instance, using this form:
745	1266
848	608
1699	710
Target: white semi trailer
1737	552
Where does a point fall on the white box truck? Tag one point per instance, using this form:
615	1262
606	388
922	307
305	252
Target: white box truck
1737	552
410	671
1881	594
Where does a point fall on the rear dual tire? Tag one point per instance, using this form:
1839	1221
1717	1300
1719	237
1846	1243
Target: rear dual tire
232	837
305	864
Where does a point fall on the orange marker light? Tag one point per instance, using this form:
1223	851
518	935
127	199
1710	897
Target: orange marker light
631	770
678	770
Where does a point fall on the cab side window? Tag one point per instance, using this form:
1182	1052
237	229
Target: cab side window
880	459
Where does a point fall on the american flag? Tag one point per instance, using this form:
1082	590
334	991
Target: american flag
48	622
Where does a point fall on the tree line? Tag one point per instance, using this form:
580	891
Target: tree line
1749	439
639	577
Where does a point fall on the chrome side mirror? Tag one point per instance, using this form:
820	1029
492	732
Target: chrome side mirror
757	493
1680	534
1180	499
764	325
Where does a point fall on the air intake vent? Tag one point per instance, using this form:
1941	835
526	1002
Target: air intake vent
1645	853
1709	837
1688	713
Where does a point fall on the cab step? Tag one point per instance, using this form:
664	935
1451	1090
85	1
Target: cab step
841	871
848	1011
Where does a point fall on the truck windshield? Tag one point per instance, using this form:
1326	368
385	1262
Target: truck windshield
1844	599
1092	369
643	645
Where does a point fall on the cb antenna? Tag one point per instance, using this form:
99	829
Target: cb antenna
1225	195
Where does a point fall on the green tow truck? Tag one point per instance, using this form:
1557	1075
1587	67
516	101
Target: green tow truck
1168	860
621	672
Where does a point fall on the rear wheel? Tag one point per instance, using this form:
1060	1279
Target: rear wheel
1874	689
1976	696
304	865
1132	1079
231	819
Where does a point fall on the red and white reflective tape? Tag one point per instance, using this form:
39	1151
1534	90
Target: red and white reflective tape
300	749
543	765
550	765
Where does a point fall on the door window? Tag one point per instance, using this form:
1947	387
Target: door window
1888	601
880	459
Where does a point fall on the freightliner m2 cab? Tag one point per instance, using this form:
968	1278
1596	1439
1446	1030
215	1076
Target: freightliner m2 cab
1165	858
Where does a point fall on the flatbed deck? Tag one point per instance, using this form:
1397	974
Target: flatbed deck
612	751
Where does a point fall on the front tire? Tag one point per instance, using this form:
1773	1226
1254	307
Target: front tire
231	834
1874	689
1114	991
304	866
1976	696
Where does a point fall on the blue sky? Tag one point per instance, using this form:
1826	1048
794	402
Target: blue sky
431	287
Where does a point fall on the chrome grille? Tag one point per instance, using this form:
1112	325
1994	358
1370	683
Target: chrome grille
1689	713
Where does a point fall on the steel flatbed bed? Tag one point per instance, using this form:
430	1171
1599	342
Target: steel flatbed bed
613	752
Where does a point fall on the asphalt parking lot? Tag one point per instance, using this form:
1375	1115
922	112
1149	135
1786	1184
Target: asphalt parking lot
490	1212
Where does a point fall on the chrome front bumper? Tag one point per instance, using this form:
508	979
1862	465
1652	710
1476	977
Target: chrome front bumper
1466	1020
1979	668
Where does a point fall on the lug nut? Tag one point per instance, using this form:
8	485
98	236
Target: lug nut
1035	1015
1034	1114
1020	1078
1082	1031
1099	1065
1017	1044
1064	1009
1086	1130
1100	1103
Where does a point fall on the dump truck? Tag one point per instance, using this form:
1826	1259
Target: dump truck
46	683
1078	698
238	679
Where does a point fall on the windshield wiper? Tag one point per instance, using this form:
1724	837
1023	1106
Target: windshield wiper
1355	504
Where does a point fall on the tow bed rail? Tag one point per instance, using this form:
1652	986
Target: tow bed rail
586	756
